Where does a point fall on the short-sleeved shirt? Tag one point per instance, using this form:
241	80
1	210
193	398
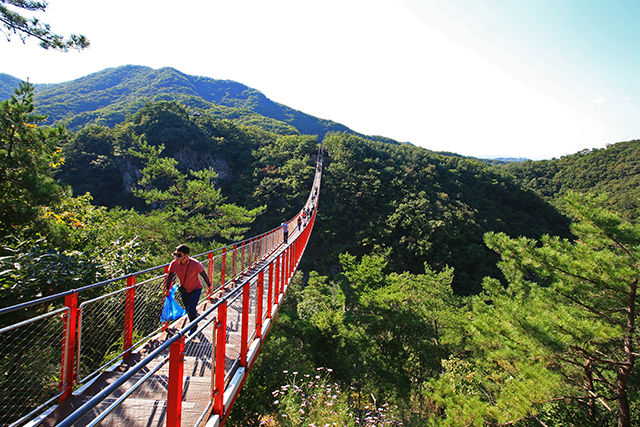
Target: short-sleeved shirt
191	270
285	227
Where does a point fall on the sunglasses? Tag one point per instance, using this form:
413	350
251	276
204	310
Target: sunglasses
177	255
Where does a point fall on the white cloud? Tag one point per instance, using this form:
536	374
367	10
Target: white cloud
599	101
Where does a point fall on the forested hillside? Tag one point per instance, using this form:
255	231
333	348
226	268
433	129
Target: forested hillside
449	291
404	202
614	170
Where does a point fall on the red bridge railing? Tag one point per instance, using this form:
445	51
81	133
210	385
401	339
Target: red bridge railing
98	333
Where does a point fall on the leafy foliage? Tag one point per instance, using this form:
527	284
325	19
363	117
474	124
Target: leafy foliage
190	208
562	331
14	23
28	154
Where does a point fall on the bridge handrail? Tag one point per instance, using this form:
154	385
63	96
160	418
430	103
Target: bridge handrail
117	279
103	394
258	247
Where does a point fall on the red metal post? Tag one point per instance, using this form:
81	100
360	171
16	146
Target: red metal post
224	266
289	258
287	263
235	260
260	298
283	272
276	289
174	392
294	256
244	328
283	275
244	245
69	343
128	316
210	272
221	337
292	250
270	290
293	259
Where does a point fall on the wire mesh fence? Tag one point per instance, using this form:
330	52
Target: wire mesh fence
234	325
31	356
102	325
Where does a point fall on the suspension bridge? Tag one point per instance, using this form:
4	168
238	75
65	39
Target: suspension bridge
105	358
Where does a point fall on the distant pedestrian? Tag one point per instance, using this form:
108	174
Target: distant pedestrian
285	231
299	222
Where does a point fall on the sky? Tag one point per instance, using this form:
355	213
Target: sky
535	79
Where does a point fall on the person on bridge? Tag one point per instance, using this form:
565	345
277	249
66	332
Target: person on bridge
285	231
187	269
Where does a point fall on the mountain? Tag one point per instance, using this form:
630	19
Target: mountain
109	96
7	85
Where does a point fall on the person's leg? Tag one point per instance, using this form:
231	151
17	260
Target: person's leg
184	295
190	302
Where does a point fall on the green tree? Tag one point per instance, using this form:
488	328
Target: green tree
186	206
14	23
383	333
28	156
561	334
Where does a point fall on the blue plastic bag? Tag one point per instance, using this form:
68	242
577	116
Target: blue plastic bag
172	310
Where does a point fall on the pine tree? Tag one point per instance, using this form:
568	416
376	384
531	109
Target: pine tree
14	23
28	156
564	328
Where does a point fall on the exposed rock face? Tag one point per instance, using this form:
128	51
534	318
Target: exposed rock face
187	158
130	174
193	160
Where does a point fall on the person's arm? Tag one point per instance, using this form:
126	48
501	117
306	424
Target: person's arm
168	283
204	275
